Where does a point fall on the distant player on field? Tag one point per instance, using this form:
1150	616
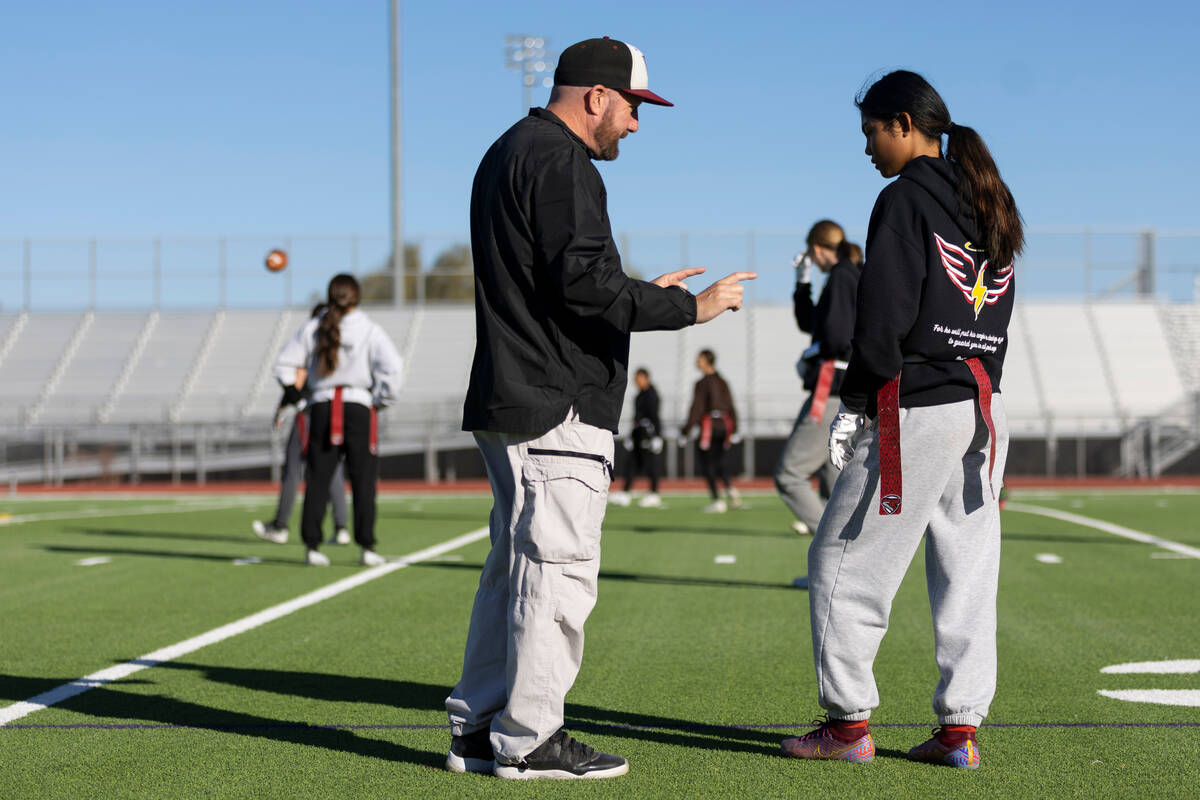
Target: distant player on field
921	436
713	414
353	369
295	403
645	444
830	321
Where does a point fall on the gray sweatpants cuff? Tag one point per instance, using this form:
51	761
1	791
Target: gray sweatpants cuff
857	716
960	719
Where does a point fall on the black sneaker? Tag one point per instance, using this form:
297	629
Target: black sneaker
471	752
562	757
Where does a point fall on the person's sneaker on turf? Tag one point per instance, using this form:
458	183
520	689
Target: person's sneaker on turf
342	536
562	757
619	498
370	558
315	558
471	752
651	500
269	532
715	507
952	748
831	740
735	498
801	529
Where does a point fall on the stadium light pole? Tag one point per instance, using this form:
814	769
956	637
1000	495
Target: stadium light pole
397	165
529	56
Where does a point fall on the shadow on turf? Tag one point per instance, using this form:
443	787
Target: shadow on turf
115	551
118	705
171	535
431	516
112	704
612	575
785	534
431	697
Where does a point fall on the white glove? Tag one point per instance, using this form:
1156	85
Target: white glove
803	268
656	445
842	434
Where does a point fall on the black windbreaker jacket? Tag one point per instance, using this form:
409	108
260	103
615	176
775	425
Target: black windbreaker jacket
553	308
928	299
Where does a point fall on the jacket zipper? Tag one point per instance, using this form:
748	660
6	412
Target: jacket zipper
539	451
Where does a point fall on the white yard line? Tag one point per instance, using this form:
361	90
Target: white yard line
1107	527
68	690
173	508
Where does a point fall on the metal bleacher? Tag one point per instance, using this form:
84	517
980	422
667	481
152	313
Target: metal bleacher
34	353
1091	368
1072	370
155	379
93	370
238	349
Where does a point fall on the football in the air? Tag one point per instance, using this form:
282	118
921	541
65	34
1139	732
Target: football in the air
276	260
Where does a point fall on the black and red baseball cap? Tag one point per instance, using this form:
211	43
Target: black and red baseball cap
607	62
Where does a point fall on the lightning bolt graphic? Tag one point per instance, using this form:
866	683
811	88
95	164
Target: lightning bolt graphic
979	291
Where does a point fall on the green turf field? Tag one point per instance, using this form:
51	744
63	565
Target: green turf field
694	669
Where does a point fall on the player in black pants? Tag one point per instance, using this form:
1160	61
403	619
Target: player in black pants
353	369
713	411
644	444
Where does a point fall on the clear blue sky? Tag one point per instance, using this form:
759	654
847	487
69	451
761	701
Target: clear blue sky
219	117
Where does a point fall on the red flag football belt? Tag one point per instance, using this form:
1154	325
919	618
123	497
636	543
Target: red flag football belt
821	391
337	424
888	402
302	430
706	425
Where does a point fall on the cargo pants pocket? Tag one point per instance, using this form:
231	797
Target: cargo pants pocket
565	501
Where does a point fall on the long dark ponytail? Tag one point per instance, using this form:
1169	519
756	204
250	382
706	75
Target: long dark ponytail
343	295
979	181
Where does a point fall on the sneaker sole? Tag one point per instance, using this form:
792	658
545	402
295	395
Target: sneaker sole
266	537
463	765
514	773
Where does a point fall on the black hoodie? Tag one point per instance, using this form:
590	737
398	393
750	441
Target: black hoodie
922	305
830	321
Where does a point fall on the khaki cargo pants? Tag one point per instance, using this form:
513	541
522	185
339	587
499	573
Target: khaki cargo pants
538	585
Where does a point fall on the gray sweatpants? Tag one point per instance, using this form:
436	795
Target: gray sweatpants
525	642
806	454
858	558
293	473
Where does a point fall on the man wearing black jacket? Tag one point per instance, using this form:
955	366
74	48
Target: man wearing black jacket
553	314
831	323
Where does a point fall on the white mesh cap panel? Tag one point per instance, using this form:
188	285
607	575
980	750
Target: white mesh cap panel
638	78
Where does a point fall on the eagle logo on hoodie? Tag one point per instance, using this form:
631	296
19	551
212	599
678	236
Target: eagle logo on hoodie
978	285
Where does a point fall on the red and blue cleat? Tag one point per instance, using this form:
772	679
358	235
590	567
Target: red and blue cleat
963	753
823	743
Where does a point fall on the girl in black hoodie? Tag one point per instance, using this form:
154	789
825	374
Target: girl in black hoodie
931	331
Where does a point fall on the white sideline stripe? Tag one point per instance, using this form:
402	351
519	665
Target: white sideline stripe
1107	527
120	512
68	690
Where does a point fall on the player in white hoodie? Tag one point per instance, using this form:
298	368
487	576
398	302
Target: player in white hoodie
353	370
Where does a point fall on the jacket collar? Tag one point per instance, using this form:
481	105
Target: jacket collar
550	116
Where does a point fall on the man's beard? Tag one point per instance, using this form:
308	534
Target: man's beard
608	139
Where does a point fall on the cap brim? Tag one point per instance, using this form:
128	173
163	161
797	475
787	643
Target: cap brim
648	96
